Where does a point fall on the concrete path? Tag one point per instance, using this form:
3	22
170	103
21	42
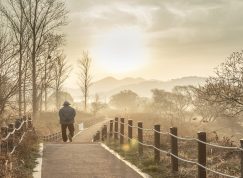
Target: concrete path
83	160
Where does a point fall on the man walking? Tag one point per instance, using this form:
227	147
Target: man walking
66	115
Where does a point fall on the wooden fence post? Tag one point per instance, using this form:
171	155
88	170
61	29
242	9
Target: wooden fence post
241	158
25	123
122	131
111	128
140	138
29	123
129	130
174	149
116	128
17	125
201	154
102	133
105	132
98	135
11	137
156	143
4	144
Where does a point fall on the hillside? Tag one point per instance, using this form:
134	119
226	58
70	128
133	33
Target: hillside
108	86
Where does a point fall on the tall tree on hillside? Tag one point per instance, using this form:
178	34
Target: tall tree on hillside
43	17
85	76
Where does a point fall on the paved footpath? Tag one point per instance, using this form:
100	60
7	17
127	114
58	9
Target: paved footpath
83	159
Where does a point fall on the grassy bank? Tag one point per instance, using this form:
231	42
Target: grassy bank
23	160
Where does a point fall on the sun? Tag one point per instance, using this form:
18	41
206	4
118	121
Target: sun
121	50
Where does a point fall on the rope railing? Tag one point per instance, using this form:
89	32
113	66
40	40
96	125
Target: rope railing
11	134
204	167
52	137
20	141
173	152
11	137
188	138
15	129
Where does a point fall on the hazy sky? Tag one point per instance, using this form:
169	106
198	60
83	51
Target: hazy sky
159	39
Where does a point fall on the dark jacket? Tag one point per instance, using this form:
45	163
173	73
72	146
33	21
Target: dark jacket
66	115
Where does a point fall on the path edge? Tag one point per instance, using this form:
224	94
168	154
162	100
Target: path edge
37	170
132	166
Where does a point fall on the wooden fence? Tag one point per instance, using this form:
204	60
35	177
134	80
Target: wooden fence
116	131
52	137
11	136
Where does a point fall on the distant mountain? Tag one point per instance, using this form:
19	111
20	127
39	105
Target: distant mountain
110	83
144	88
109	86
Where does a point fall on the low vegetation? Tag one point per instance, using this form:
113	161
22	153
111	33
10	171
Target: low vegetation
221	160
23	161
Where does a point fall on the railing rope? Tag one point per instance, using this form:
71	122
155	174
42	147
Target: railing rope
11	137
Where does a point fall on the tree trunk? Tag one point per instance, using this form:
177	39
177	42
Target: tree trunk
24	93
45	98
57	99
34	85
21	33
45	90
41	99
20	83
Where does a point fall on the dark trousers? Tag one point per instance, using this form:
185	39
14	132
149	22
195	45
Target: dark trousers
64	129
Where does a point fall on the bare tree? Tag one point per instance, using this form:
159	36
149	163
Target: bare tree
43	17
225	89
47	70
85	76
97	105
61	71
125	100
18	27
182	98
8	81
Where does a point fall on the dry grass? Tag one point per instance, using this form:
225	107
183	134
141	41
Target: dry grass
23	160
225	161
48	122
